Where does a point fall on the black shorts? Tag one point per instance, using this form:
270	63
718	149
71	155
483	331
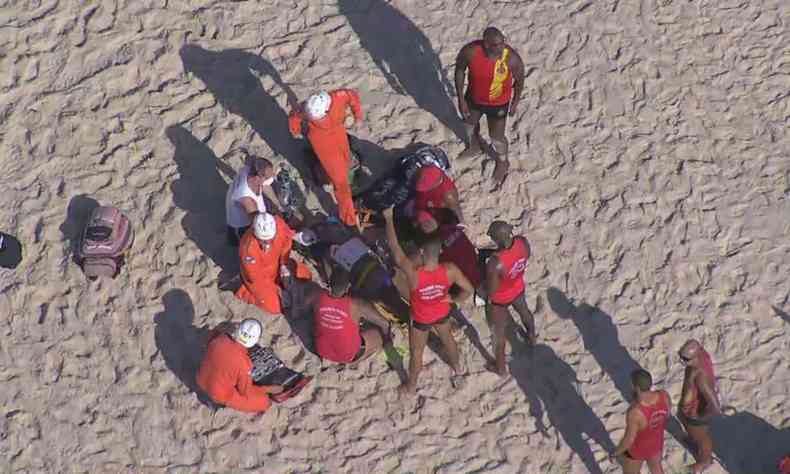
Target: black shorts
428	326
693	421
360	352
234	234
490	111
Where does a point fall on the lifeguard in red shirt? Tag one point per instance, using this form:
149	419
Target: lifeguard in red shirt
645	423
505	287
496	79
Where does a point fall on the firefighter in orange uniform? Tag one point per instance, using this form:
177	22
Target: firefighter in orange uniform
265	251
325	114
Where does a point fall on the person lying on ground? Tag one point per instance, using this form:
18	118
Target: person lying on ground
336	246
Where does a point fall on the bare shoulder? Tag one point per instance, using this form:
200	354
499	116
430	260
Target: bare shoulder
466	50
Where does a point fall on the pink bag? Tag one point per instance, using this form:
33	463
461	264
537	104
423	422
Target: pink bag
105	240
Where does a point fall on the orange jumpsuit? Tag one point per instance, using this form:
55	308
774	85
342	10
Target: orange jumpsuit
224	375
260	269
330	142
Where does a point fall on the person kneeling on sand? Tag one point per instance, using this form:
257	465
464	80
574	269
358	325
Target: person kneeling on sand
266	266
338	335
224	373
645	422
431	305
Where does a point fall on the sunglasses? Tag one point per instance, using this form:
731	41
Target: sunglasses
684	359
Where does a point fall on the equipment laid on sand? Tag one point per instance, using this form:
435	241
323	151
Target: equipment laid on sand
396	188
105	241
268	369
10	251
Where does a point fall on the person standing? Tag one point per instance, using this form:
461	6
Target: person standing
505	288
431	304
645	423
325	115
699	402
245	196
496	80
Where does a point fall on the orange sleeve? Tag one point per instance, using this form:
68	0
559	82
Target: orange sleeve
351	99
295	123
288	236
246	396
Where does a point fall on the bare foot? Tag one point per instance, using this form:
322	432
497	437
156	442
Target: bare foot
502	372
470	152
500	173
458	381
406	390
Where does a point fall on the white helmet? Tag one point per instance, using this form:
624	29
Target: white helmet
264	226
318	105
248	333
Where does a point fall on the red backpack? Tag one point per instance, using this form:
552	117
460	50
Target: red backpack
105	240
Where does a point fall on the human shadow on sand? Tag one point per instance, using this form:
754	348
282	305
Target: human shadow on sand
228	74
745	443
78	214
550	384
181	344
200	191
405	57
601	340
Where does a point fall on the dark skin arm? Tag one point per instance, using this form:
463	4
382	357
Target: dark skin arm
401	259
456	276
452	201
493	268
364	310
517	69
707	393
461	65
634	422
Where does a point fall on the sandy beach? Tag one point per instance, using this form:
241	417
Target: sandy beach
650	172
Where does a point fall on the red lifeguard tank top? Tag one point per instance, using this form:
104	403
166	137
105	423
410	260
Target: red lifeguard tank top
429	300
434	199
511	277
337	335
650	441
490	80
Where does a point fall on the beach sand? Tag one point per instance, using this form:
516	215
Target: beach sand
650	172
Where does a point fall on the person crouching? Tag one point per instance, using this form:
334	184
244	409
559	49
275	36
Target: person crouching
224	373
338	336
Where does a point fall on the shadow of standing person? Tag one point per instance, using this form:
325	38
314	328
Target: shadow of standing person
181	344
551	384
78	214
200	191
405	57
601	340
745	443
229	76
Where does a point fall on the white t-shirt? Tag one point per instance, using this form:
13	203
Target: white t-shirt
237	217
